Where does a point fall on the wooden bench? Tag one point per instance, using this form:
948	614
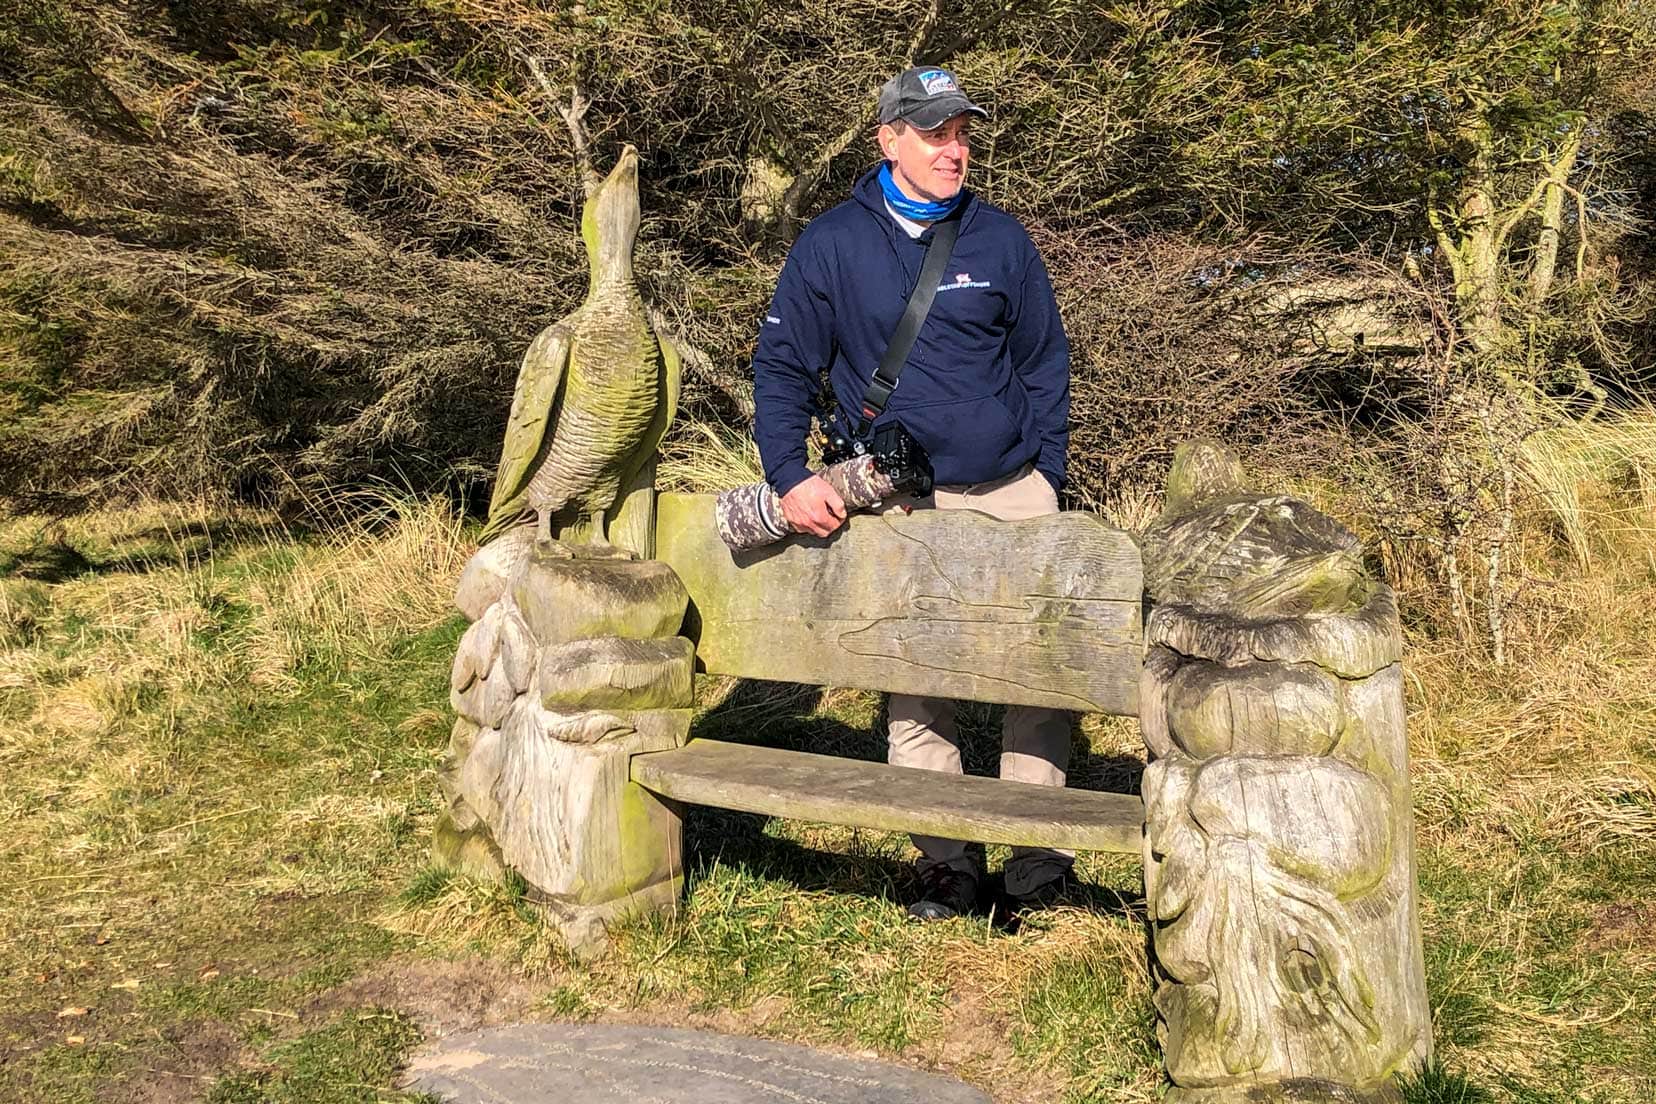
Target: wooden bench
944	603
1261	660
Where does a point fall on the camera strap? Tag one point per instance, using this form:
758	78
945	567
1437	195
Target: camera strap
908	328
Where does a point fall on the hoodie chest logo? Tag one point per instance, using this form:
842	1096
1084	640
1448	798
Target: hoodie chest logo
962	280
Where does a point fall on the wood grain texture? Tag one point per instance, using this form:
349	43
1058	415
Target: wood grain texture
563	599
945	603
563	810
611	673
834	790
483	580
633	527
1352	646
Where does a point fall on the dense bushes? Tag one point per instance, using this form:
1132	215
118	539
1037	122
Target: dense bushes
255	248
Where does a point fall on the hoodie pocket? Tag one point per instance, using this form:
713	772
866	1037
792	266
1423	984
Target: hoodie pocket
969	440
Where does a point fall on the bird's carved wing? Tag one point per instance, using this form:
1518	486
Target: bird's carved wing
667	404
528	427
667	396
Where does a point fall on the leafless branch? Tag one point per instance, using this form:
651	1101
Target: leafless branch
969	37
805	183
573	117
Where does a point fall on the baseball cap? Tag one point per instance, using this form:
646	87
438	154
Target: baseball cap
925	97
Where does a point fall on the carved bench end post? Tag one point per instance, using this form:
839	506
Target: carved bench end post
1279	835
573	667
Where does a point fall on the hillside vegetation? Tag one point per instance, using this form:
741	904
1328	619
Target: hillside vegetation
255	248
266	270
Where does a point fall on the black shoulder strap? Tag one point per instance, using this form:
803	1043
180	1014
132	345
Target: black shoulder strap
908	328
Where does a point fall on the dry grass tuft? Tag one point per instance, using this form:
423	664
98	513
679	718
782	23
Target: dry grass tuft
366	584
118	725
1598	481
708	458
464	915
1608	811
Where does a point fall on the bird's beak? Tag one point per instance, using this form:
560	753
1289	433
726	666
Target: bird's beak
626	169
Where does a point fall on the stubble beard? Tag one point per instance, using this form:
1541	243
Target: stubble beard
926	193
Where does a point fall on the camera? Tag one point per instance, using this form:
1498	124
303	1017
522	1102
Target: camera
901	459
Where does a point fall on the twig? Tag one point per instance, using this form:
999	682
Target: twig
1581	236
204	820
971	35
68	877
695	357
1494	613
127	116
934	15
572	117
185	1076
805	184
269	1012
1559	1021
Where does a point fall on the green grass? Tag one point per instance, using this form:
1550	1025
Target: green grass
1436	1085
205	822
1085	1007
346	1061
220	771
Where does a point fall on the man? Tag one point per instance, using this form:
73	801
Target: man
985	391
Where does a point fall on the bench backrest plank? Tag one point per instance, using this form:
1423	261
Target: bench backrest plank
948	603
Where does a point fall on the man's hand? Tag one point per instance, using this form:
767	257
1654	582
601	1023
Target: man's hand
814	507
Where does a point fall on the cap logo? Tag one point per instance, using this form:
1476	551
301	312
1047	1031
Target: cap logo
936	82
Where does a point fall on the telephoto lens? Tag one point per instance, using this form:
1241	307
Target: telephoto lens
751	516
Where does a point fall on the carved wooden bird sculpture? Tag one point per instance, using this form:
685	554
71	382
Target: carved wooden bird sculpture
596	391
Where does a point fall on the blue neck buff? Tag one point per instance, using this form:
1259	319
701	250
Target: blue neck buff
918	210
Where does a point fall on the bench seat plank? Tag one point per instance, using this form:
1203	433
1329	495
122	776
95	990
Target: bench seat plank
834	790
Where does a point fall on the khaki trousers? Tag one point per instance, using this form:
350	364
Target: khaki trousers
1035	743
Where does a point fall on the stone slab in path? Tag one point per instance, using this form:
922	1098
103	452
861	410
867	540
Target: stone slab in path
582	1063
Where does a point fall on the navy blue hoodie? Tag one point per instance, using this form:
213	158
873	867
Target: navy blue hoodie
986	388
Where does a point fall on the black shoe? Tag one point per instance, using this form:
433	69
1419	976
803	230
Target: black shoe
944	894
1059	890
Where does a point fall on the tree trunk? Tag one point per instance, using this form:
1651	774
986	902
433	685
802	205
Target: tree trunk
1478	280
1552	219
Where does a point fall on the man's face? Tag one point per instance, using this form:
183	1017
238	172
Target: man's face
929	164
